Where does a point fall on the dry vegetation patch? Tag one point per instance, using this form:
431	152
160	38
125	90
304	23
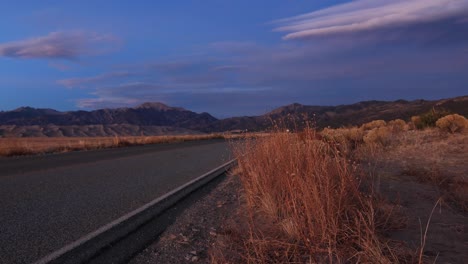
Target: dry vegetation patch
418	169
432	157
30	146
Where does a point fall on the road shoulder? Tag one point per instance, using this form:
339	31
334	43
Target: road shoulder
192	234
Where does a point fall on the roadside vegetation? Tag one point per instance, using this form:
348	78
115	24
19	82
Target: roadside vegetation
330	196
42	145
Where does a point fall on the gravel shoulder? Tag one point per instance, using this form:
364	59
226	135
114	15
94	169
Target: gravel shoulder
190	237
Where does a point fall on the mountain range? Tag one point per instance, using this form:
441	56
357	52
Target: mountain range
159	119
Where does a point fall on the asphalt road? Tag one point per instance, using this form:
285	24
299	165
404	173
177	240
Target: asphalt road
49	201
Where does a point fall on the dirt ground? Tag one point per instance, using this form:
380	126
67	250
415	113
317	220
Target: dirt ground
426	171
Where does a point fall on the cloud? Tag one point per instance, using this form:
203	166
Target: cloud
370	15
169	67
59	66
82	81
93	103
59	45
228	68
234	46
126	94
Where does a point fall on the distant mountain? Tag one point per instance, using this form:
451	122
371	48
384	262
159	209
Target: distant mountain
295	115
158	118
92	130
148	114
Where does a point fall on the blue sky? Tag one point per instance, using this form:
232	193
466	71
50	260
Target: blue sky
230	57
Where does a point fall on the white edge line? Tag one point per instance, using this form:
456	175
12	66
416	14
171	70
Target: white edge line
105	228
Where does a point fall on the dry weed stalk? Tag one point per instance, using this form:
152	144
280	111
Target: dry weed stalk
424	235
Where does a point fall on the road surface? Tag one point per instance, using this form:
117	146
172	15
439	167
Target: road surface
49	201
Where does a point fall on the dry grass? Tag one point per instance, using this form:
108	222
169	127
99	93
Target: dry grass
30	146
306	203
434	155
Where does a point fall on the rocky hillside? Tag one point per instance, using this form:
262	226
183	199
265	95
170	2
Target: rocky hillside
157	118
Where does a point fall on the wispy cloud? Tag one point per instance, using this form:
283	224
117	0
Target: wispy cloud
59	66
228	68
368	15
82	81
234	46
59	45
114	102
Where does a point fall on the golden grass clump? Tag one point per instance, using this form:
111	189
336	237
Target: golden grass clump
305	204
452	123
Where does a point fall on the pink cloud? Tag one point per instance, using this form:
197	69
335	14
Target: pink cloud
365	15
93	103
59	45
78	82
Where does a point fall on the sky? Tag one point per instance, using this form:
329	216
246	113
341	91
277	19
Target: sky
230	57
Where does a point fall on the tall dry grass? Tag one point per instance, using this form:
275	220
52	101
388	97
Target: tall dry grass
306	203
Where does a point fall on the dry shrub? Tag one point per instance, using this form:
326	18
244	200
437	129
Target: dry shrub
337	137
305	204
354	134
397	125
452	123
379	135
415	122
374	124
428	119
346	139
331	134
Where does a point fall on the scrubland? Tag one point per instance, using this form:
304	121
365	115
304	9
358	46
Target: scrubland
383	192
